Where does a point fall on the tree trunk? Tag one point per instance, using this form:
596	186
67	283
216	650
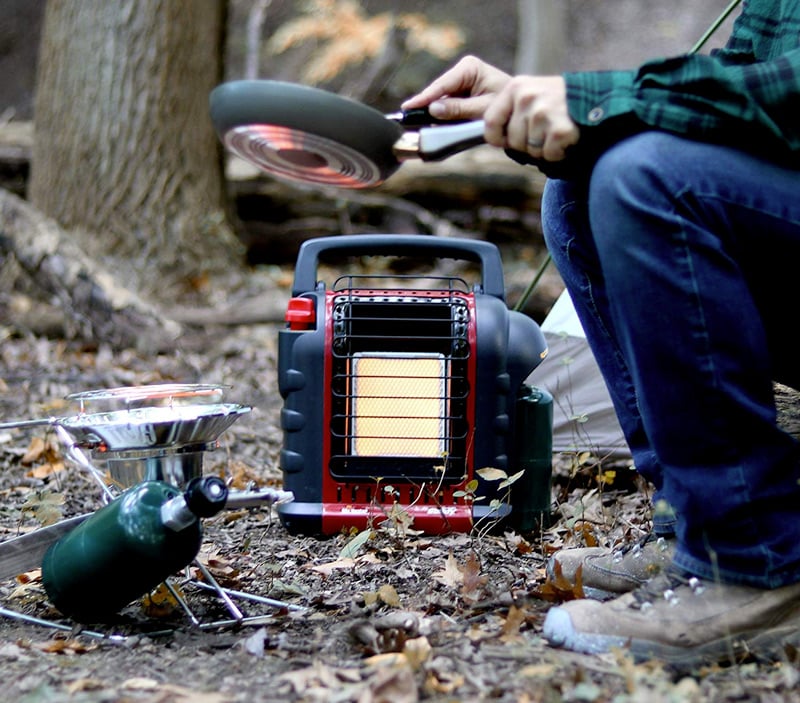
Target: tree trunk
124	147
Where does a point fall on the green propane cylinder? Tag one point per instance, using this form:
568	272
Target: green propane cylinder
531	494
128	547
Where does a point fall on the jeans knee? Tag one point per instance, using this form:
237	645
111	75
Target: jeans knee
643	163
633	179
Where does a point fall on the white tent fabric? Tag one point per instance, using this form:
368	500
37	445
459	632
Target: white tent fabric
583	416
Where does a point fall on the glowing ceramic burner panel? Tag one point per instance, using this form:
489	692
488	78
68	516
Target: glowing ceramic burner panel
398	405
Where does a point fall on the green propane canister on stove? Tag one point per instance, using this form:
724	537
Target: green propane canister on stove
128	547
531	493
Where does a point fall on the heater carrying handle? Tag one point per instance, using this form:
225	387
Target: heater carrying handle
484	253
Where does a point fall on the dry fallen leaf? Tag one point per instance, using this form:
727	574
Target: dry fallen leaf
160	602
388	594
391	684
474	581
34	452
443	682
218	565
451	575
256	643
538	671
328	568
44	470
519	543
181	694
560	588
492	474
316	676
242	476
417	651
32	576
60	646
85	684
44	506
139	683
515	618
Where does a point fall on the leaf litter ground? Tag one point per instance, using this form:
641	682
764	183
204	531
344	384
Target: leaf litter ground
390	616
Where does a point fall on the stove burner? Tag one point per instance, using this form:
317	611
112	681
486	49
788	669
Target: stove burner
126	397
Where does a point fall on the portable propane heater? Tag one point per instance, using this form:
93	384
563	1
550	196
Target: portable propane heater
395	395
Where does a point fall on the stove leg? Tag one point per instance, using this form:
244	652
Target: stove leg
232	609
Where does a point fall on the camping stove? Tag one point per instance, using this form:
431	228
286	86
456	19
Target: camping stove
397	394
156	432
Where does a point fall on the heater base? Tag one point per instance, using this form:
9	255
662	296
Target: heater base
332	518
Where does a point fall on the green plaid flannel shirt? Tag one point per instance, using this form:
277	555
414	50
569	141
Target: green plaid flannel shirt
746	94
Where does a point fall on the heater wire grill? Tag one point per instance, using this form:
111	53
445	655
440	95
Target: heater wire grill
400	380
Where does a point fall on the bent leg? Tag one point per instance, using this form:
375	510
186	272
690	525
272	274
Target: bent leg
695	247
565	223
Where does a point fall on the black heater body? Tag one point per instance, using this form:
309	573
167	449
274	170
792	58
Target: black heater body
395	395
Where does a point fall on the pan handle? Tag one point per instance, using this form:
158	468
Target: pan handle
437	143
484	253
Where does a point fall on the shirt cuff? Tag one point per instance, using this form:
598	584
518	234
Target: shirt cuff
596	96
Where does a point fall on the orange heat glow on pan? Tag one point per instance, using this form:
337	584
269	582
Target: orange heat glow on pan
301	156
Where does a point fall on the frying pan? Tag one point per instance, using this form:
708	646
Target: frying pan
313	136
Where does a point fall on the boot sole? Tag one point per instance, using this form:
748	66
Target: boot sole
762	645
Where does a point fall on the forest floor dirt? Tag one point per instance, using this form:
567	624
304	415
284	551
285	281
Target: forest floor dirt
404	617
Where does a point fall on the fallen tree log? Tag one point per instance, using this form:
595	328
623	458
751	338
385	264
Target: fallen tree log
95	308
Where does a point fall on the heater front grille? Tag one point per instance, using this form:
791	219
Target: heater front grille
400	385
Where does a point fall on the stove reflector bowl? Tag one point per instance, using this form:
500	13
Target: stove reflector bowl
149	427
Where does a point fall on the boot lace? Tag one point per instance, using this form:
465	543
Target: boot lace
668	587
635	548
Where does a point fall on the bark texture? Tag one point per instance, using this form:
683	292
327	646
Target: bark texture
124	146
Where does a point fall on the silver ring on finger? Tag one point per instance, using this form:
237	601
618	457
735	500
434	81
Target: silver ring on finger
535	143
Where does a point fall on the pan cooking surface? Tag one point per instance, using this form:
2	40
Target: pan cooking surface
302	156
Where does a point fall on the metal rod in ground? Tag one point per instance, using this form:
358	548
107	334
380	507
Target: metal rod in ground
182	602
26	423
714	26
82	460
254	620
220	591
699	45
252	597
70	628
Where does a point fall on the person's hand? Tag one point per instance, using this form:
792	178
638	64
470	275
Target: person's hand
528	114
461	93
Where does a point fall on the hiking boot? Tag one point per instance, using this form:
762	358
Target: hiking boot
609	573
685	622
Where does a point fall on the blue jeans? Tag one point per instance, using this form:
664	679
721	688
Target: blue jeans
682	261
